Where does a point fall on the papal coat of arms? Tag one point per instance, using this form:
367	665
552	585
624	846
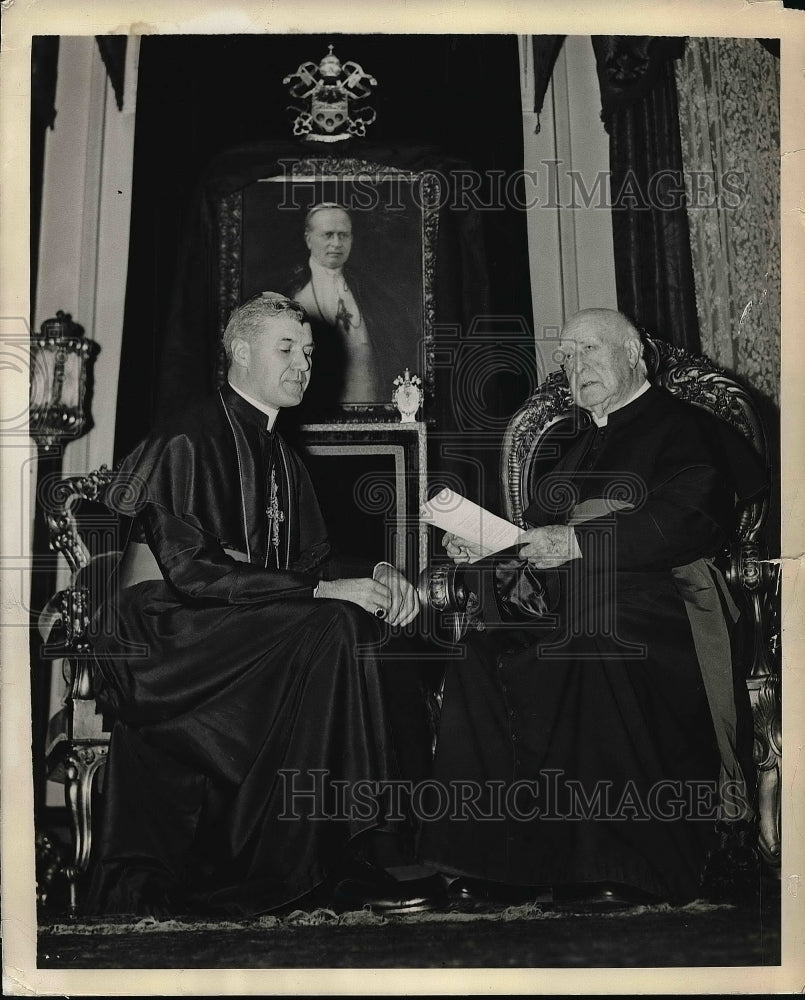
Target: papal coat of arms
331	97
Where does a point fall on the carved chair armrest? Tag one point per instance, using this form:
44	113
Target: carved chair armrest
72	642
74	608
753	581
447	589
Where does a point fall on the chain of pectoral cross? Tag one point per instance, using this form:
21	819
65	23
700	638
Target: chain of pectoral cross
275	517
344	319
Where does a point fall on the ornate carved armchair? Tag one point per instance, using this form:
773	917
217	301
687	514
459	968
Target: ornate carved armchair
753	581
87	534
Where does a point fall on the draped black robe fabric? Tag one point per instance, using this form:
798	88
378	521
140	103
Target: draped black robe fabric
590	692
223	672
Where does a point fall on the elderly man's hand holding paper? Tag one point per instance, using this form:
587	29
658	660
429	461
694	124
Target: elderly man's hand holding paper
472	533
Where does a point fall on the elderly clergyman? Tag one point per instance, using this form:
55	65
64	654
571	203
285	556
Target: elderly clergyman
238	660
597	734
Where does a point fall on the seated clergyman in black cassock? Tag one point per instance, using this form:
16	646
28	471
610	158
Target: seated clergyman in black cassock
239	661
597	733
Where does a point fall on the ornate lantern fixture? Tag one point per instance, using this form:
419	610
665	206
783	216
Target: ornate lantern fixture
61	362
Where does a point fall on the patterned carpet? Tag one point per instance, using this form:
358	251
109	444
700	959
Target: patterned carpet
465	936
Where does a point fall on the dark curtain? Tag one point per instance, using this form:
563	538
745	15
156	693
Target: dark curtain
545	49
211	116
113	53
44	63
653	266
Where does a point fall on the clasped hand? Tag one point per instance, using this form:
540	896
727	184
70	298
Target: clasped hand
544	548
387	589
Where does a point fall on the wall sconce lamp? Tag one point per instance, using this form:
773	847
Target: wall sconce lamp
61	383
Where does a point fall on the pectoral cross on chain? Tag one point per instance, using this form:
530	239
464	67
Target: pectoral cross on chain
344	318
275	517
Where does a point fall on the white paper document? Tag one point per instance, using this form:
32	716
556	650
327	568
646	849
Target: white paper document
452	512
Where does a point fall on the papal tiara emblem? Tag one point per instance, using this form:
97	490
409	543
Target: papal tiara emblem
331	97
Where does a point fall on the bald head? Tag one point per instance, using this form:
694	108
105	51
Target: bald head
608	322
602	359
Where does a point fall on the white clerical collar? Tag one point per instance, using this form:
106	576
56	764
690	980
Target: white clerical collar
270	411
602	421
318	270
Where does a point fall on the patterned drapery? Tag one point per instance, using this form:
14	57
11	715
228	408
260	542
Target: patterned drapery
650	233
729	111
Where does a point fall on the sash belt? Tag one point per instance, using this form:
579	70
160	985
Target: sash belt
707	600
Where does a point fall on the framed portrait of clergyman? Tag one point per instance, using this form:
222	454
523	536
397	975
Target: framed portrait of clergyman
354	243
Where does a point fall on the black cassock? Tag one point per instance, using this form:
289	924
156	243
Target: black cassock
619	717
221	671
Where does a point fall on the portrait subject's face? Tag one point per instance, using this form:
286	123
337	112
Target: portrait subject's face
279	362
329	237
598	365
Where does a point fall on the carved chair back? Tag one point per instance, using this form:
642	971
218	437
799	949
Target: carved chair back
88	535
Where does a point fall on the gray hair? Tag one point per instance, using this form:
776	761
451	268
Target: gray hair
247	319
631	335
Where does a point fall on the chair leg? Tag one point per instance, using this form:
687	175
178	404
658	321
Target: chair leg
768	759
81	765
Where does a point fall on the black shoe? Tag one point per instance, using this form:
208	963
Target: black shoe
602	896
476	890
381	893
